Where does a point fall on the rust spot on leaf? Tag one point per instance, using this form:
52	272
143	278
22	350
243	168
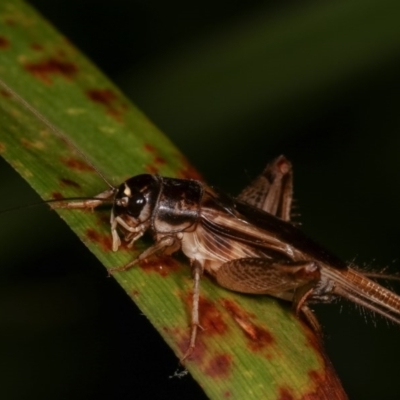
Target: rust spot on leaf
4	43
211	322
57	196
285	394
61	52
108	99
10	22
150	148
182	339
4	93
219	366
188	171
45	69
77	164
259	337
36	47
69	182
103	240
151	169
153	166
2	147
210	318
227	394
103	96
162	265
236	311
325	384
159	160
38	145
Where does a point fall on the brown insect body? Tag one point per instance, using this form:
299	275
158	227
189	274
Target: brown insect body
247	244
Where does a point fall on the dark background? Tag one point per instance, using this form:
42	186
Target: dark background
324	93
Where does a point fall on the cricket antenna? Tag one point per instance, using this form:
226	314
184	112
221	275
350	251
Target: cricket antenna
53	128
67	202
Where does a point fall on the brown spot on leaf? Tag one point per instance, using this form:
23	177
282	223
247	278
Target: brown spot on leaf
259	337
57	196
162	265
151	169
166	329
150	148
154	165
60	51
26	143
108	99
103	96
219	366
285	394
236	311
227	394
45	69
182	339
4	43
36	47
325	384
159	160
210	318
2	147
77	164
103	240
5	93
69	182
38	144
10	22
188	171
211	322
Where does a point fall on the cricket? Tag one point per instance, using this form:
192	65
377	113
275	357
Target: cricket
246	244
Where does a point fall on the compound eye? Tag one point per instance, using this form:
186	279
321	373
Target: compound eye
135	205
128	201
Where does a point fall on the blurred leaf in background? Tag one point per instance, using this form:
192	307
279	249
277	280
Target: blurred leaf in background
234	84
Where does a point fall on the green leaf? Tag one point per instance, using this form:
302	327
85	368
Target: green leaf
251	347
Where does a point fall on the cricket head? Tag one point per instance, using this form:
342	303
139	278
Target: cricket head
133	207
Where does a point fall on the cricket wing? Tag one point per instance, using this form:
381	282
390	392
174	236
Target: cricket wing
273	237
